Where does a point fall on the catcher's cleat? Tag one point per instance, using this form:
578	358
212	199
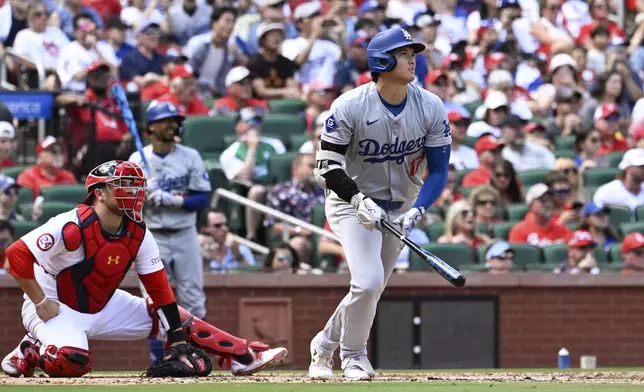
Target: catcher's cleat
357	368
15	364
262	360
321	368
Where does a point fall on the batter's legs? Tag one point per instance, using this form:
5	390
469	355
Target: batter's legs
188	271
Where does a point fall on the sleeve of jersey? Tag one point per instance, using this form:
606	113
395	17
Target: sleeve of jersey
199	179
148	260
46	241
439	133
21	260
437	165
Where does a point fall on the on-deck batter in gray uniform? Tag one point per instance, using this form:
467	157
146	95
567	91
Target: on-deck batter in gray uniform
174	229
386	159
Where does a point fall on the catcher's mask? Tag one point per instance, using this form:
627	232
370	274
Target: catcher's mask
126	182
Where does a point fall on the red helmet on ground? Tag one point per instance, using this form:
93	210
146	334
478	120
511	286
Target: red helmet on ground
126	182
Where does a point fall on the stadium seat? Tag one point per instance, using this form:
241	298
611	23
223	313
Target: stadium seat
484	228
639	213
619	215
49	209
601	255
516	212
435	230
565	154
25	195
230	139
459	176
540	267
454	254
615	253
206	133
286	106
531	177
470	141
566	143
627	228
502	230
472	106
23	227
466	191
480	253
283	125
556	253
279	167
615	268
297	141
525	254
597	177
614	158
65	193
13	172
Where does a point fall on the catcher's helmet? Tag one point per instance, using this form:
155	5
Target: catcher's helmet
125	180
379	57
161	110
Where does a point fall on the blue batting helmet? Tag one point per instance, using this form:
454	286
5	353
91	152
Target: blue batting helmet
161	110
379	57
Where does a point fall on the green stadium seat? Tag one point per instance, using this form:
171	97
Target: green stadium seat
484	228
531	177
453	254
627	228
230	139
23	227
283	125
14	172
25	195
435	230
565	154
615	253
49	209
615	268
279	167
502	230
466	192
639	213
516	212
65	193
459	176
614	158
472	268
298	140
566	143
286	106
472	106
540	267
555	253
318	215
601	255
246	269
480	253
619	215
470	141
206	133
592	190
597	177
525	254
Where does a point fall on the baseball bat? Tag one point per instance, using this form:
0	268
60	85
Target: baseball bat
128	117
445	270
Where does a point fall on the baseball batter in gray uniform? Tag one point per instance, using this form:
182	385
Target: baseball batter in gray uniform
178	186
378	140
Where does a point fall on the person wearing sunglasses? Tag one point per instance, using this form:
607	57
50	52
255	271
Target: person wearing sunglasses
596	220
499	258
586	149
485	199
460	227
633	253
218	246
560	189
504	179
8	198
567	167
581	259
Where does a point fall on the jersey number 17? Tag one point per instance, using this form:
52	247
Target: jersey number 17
415	165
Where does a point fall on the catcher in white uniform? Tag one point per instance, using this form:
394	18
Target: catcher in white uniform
70	269
371	159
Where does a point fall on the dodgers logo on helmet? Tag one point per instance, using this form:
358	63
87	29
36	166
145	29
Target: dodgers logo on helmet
406	34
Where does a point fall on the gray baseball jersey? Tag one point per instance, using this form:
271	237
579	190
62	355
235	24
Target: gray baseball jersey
180	171
386	153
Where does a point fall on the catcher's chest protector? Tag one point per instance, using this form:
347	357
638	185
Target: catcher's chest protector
88	286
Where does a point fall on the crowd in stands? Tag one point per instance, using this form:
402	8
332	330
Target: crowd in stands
545	100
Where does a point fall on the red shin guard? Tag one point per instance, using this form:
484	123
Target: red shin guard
58	362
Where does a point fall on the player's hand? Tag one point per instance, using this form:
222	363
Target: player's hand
48	310
368	212
408	220
162	198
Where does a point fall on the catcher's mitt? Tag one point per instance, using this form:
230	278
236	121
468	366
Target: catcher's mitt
172	366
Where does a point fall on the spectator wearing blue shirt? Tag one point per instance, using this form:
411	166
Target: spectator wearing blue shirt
144	65
115	29
349	70
66	13
219	249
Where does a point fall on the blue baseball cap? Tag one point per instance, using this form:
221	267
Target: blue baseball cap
6	182
358	38
591	208
369	6
497	250
507	3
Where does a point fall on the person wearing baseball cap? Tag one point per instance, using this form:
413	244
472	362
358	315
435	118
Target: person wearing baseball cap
628	188
183	92
116	36
272	74
524	155
633	253
7	137
239	94
537	228
499	258
8	198
606	118
349	69
173	58
580	255
495	108
637	136
596	220
488	150
145	64
48	170
462	156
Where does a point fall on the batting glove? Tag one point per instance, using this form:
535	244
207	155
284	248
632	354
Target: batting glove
368	212
408	220
162	198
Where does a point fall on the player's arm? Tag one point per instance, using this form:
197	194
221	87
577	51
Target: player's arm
199	188
437	166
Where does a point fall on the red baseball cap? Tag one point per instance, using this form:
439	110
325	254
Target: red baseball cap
433	76
638	133
581	238
182	71
450	59
534	127
96	65
487	143
45	144
455	115
491	61
632	241
606	110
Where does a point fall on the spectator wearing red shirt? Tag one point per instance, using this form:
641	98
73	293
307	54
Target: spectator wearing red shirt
607	124
599	13
239	94
536	228
154	90
107	9
633	253
7	142
48	170
183	92
488	148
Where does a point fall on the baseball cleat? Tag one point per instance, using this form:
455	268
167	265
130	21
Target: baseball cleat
321	368
263	360
358	368
15	364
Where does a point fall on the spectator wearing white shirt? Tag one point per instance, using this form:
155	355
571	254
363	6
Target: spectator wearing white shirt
462	157
13	19
495	108
76	56
524	155
628	189
41	44
219	248
316	56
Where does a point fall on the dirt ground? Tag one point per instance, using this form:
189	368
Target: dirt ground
605	377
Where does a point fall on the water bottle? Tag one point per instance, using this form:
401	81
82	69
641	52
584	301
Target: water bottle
563	361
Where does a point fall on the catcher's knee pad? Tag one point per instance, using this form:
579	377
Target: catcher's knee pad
65	361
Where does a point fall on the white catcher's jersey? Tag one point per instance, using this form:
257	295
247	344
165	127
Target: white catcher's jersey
180	171
386	153
47	246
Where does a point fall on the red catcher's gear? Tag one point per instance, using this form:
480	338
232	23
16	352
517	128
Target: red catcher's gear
88	286
127	183
58	362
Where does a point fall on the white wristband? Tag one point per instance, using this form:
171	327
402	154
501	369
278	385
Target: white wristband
42	302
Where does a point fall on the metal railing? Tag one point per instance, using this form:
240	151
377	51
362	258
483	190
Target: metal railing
285	218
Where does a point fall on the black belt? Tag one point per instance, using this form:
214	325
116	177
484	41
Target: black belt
388	205
166	231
